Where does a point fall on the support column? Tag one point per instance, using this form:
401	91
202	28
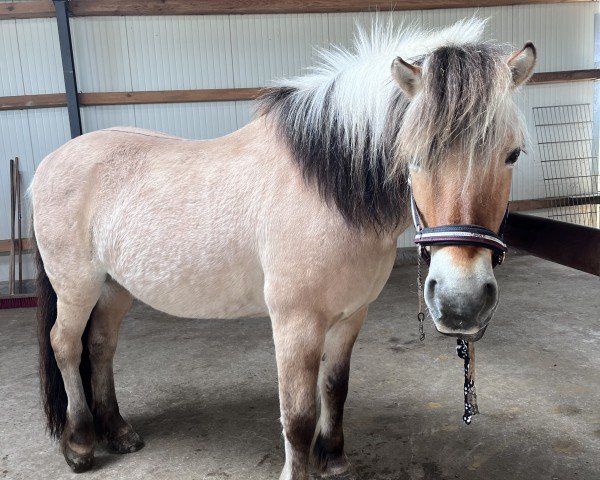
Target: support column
66	53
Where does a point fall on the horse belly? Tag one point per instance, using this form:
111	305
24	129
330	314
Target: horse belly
197	288
205	266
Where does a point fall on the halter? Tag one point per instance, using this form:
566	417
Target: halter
460	234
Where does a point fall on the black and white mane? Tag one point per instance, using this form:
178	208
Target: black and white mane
353	131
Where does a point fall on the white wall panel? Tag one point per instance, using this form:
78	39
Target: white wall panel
40	56
266	47
49	129
99	117
563	34
101	52
16	142
498	28
180	52
244	113
445	17
342	26
29	135
189	120
11	78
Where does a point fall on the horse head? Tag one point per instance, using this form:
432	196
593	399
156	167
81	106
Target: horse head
460	137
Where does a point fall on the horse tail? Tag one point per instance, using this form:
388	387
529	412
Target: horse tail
54	396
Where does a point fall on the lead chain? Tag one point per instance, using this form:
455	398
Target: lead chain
420	315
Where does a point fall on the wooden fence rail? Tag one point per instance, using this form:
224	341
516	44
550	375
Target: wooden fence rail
50	100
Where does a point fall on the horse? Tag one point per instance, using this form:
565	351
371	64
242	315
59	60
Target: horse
295	216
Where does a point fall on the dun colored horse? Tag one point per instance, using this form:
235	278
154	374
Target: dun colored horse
295	216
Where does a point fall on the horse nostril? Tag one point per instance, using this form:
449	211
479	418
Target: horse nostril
431	286
490	289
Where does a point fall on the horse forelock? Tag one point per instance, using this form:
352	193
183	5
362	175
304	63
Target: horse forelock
465	108
352	131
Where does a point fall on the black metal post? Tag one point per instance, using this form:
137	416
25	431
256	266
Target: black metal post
66	53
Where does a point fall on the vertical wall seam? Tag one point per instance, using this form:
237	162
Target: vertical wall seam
29	160
20	58
233	79
127	49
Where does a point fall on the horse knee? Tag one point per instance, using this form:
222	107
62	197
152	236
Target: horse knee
101	347
66	345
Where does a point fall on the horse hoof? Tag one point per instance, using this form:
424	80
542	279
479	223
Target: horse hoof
337	468
348	474
78	462
129	442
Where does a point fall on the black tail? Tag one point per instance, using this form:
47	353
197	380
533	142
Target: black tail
54	396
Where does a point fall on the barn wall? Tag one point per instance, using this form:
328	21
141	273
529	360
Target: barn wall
190	52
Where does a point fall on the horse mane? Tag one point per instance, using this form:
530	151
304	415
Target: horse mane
353	132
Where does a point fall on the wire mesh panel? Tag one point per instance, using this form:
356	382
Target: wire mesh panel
569	162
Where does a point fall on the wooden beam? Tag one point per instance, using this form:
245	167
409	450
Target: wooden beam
215	7
572	245
565	76
169	96
51	100
45	8
214	94
555	202
47	100
26	245
37	9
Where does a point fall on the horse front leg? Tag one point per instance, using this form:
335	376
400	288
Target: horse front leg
298	347
328	449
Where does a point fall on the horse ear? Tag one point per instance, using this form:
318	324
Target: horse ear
521	64
407	76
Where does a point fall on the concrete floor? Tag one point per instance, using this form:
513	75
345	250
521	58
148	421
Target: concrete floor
203	394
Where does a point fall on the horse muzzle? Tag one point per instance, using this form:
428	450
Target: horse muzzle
469	337
461	299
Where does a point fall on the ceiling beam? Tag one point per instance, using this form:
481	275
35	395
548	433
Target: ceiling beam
44	8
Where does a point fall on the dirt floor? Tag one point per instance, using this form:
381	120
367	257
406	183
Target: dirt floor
203	393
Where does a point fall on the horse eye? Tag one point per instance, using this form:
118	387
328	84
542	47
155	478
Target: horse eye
513	156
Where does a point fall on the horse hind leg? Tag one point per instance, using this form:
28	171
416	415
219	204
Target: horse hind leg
105	321
328	445
76	425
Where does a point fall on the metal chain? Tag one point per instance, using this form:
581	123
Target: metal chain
420	315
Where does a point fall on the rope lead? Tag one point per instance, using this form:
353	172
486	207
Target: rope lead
466	350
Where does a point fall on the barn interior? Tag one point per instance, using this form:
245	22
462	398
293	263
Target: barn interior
203	393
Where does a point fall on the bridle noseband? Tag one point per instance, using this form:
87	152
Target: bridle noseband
472	235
